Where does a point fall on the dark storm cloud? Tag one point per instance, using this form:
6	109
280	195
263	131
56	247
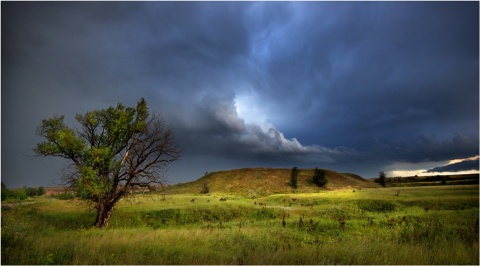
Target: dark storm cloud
217	122
348	85
426	148
385	64
456	167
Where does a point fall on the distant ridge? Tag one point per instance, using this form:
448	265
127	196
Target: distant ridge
267	181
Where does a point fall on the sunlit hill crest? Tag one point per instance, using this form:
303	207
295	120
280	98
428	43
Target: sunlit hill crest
266	181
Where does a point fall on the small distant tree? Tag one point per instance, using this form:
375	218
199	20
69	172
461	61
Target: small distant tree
41	191
116	150
319	177
294	178
382	178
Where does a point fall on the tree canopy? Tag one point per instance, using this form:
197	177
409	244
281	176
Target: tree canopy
115	150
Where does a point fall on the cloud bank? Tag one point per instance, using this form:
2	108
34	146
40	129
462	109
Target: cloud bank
465	165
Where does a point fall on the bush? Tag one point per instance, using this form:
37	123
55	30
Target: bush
21	194
65	196
18	194
319	177
31	191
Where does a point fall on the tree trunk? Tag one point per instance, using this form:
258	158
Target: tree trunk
105	209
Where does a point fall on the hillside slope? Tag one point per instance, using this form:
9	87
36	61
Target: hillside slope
266	181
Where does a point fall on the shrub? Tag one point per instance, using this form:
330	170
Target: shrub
65	196
19	194
319	177
31	191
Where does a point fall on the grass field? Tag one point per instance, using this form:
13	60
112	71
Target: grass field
407	225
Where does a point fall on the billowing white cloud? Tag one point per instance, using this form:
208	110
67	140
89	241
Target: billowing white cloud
252	136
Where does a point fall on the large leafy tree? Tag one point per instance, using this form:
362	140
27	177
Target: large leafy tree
115	150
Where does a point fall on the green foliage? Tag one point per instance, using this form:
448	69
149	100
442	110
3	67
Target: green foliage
90	185
96	147
60	141
19	194
31	192
319	177
116	148
15	194
294	178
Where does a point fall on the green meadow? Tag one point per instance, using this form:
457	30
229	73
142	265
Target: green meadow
407	225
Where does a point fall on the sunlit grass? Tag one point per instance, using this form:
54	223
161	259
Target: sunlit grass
421	225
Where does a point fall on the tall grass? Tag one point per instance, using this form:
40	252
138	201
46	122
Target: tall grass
371	226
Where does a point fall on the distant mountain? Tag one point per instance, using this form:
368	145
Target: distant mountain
266	181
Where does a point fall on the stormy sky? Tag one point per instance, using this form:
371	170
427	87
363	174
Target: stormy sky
355	87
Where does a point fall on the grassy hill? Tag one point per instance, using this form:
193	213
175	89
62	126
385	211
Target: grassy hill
265	181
